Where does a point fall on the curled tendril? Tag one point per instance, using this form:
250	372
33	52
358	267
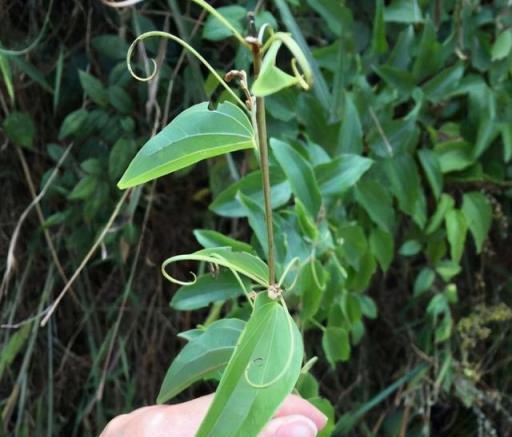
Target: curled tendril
288	361
186	46
291	264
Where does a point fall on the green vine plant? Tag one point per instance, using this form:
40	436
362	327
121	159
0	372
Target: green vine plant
258	361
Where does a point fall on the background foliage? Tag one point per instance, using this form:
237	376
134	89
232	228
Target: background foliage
391	182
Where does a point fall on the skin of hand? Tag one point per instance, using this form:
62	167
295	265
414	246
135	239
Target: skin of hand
296	417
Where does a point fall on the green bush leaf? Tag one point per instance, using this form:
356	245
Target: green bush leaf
336	345
456	230
403	11
432	169
93	88
300	175
227	204
73	123
340	174
382	247
209	239
205	290
262	371
376	200
20	129
214	30
502	46
478	213
194	135
205	353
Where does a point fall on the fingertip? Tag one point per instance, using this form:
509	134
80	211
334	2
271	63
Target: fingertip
294	405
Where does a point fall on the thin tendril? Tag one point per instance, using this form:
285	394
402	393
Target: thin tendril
186	46
34	43
288	361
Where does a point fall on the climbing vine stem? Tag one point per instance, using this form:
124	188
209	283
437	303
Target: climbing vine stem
261	130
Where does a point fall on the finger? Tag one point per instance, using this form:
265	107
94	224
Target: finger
295	405
290	426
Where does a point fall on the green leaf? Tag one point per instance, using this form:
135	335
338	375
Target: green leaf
340	174
5	69
351	133
205	353
13	346
84	189
454	155
209	239
20	129
320	89
261	372
432	169
72	123
379	43
402	174
227	204
256	216
403	11
502	46
306	222
429	57
448	269
205	290
241	262
441	85
456	230
271	78
376	200
214	30
310	287
300	175
477	211
423	281
120	99
506	135
382	246
410	248
93	88
120	156
398	79
194	135
445	204
367	304
111	46
336	345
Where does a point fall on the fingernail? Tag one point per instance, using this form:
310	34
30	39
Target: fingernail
297	428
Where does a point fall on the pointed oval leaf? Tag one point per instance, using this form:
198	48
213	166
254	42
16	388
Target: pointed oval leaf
261	373
196	134
300	174
205	353
227	204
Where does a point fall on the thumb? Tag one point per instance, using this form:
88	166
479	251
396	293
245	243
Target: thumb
290	426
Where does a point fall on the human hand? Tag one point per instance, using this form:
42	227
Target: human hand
296	417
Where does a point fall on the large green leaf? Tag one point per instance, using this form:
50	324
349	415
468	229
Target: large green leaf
456	230
227	204
206	353
376	200
207	289
478	213
240	262
300	174
196	134
337	176
208	239
261	373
